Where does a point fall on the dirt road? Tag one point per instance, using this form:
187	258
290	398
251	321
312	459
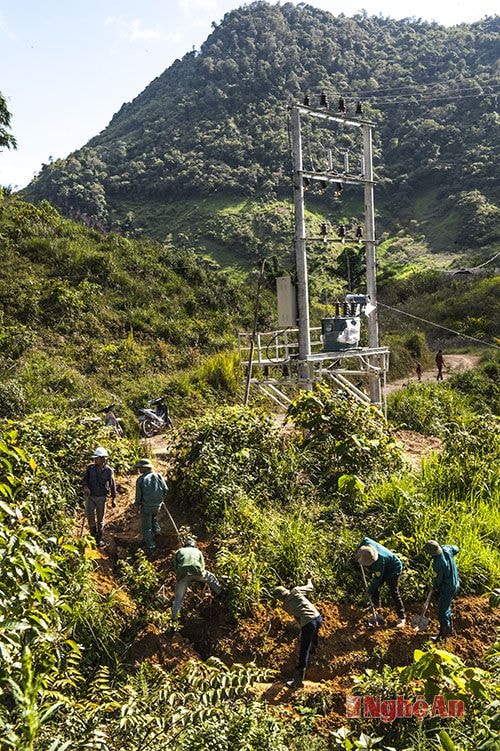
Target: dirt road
452	364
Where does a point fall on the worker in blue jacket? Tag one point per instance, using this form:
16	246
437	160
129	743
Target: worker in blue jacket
150	492
446	583
385	567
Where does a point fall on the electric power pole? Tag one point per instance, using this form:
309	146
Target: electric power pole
300	250
371	278
366	179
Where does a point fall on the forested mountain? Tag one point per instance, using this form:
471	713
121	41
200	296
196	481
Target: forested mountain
216	121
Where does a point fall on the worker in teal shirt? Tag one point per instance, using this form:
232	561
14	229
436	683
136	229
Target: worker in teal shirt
446	583
385	566
150	492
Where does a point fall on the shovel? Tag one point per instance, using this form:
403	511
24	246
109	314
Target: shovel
420	622
377	619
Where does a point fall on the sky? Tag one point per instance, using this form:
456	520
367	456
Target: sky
66	66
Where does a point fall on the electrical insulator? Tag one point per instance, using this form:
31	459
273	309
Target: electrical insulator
359	108
345	310
337	309
323	101
342	231
307	100
341	105
353	309
324	229
323	184
339	189
359	231
306	182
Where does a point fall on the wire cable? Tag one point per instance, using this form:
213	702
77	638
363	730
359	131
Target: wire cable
418	99
367	92
474	268
432	323
479	90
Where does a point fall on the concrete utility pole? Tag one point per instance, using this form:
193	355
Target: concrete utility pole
365	179
300	249
371	277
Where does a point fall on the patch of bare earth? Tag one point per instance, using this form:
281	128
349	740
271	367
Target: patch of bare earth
270	637
417	446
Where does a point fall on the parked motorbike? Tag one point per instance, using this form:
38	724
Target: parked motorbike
154	419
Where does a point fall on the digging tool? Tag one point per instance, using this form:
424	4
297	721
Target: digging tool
420	622
171	519
376	619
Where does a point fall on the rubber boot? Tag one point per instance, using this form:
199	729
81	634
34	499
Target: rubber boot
441	635
298	681
98	538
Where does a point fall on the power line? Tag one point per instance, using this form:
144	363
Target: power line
475	90
419	99
366	92
474	268
438	325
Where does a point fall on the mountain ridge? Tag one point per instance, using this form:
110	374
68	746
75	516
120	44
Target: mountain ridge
214	122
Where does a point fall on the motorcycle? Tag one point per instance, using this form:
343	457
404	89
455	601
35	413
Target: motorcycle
154	419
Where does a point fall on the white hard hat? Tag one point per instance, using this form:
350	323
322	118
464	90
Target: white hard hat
100	451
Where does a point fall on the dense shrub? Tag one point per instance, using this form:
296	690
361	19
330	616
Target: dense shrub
228	452
426	408
481	386
343	437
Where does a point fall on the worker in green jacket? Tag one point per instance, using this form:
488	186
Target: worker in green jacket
189	566
385	567
295	603
150	492
446	583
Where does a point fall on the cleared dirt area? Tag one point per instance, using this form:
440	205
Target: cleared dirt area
347	645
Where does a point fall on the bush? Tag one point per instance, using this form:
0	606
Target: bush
480	386
343	437
426	408
13	402
225	453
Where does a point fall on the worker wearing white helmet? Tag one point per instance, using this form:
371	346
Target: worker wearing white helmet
98	483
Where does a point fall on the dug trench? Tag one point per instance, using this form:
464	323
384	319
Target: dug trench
269	638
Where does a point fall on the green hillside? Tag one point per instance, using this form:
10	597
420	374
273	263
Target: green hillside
88	318
214	124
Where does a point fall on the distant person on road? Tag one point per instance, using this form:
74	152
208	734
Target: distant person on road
385	567
418	371
296	603
189	566
150	492
98	483
445	584
439	365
